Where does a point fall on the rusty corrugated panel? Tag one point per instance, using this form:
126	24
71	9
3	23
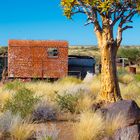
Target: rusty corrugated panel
37	43
29	59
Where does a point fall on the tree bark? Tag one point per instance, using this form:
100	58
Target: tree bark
110	90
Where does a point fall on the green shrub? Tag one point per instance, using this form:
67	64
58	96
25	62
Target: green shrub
14	85
67	102
132	53
21	102
137	77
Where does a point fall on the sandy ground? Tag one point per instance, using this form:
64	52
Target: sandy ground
65	128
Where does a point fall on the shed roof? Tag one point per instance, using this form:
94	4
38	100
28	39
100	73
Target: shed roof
38	43
81	56
81	61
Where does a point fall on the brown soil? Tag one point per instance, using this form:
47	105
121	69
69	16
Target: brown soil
65	128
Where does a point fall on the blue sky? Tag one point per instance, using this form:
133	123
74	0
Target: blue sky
44	20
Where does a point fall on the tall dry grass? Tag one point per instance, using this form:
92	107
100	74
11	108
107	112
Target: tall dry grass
4	96
126	78
22	130
90	127
85	103
112	123
95	85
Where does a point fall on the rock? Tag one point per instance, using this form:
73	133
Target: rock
126	108
128	133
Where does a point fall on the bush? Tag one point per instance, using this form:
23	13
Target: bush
85	102
22	102
13	127
67	102
131	53
22	130
15	85
137	77
7	119
44	111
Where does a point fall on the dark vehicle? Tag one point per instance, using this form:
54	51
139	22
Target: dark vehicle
79	65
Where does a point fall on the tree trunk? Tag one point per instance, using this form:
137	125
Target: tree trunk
110	90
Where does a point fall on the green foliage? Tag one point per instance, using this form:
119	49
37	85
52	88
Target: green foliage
15	85
137	77
103	7
3	50
131	53
21	102
48	138
67	102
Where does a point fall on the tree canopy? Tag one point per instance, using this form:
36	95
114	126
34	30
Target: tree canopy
110	12
105	15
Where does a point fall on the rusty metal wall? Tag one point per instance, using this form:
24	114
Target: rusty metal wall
29	59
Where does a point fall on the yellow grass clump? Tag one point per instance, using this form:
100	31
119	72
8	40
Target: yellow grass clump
22	131
85	103
126	78
95	85
113	123
70	79
90	127
130	91
4	96
48	90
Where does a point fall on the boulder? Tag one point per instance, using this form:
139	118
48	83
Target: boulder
126	108
128	133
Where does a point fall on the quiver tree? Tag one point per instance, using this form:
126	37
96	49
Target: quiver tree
106	15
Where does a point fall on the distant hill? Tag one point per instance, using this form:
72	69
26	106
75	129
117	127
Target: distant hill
89	50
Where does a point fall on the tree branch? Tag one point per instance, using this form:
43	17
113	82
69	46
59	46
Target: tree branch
126	27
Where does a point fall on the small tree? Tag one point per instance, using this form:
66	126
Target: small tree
105	15
133	54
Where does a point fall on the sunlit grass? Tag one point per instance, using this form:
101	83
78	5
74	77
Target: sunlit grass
126	78
113	123
90	127
4	96
22	130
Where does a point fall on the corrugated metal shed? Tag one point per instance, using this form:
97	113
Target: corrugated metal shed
37	59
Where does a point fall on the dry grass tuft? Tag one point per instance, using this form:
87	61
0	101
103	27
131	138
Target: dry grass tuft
69	79
130	91
4	96
95	85
113	123
85	103
126	78
90	127
22	131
